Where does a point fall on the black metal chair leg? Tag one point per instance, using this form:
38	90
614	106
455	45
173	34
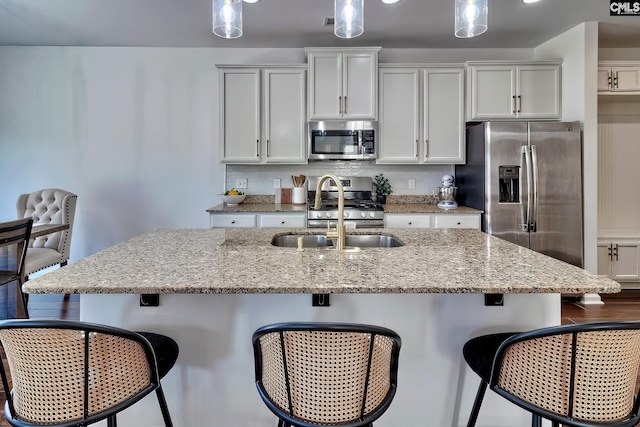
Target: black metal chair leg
163	407
555	424
476	404
536	421
25	301
111	421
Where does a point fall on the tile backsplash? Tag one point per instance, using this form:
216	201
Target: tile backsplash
260	178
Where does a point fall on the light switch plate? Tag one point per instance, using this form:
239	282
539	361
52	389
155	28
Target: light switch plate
241	183
412	184
276	183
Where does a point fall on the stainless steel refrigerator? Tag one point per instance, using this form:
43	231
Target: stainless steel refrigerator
527	178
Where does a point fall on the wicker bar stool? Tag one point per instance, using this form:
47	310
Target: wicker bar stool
580	375
326	374
67	373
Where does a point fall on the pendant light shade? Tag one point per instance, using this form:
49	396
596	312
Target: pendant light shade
471	17
349	18
227	18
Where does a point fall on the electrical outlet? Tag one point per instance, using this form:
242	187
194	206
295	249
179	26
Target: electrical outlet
241	183
276	183
412	184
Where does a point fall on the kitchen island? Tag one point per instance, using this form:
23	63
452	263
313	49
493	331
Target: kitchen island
217	286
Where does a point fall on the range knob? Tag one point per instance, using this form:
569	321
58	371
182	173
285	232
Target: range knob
363	215
319	215
346	215
372	214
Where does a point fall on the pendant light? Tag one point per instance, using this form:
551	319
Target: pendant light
349	18
471	17
227	18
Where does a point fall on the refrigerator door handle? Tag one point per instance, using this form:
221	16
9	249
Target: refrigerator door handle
526	212
534	217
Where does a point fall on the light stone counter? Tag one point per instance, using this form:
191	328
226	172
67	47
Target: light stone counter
231	261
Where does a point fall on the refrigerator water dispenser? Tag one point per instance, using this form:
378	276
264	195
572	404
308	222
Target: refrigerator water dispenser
509	184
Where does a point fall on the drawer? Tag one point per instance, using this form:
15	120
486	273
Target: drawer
233	221
283	221
456	221
407	221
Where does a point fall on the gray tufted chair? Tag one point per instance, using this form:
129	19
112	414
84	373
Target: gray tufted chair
48	206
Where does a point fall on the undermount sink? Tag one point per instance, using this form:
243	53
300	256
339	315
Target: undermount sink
351	241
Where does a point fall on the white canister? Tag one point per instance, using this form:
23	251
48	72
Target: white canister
299	196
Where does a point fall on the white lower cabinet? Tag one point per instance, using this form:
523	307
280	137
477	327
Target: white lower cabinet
392	220
619	259
457	221
232	220
297	220
261	220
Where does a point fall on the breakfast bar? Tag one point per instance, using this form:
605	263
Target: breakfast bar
216	286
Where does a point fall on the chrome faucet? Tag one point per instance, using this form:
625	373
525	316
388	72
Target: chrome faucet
339	233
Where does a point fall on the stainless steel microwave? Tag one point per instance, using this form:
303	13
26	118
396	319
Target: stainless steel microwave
342	140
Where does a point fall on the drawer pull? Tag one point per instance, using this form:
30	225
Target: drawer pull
410	222
458	223
282	222
233	221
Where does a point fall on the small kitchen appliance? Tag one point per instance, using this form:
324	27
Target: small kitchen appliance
359	210
446	193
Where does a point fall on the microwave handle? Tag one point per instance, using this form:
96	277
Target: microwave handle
360	139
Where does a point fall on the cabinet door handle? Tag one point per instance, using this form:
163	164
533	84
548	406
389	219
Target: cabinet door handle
610	251
257	148
268	148
514	103
339	105
615	83
426	148
415	152
519	104
609	78
345	104
615	251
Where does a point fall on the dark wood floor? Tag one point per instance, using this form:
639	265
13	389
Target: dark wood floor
622	306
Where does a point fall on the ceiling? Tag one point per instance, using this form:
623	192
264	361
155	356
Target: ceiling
299	23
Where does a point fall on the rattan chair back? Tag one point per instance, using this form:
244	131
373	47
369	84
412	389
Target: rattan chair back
312	374
577	375
14	240
69	373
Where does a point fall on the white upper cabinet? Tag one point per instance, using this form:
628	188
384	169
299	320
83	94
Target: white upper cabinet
262	114
343	84
513	91
616	77
421	115
240	115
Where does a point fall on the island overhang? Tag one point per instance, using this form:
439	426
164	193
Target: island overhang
240	261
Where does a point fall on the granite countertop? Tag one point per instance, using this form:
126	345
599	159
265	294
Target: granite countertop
244	261
395	204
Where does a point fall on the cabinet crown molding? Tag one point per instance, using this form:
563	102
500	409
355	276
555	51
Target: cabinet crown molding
456	65
253	66
518	62
342	49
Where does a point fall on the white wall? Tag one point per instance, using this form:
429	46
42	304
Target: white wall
579	49
134	131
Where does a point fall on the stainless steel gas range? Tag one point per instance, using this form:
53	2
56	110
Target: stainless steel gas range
359	210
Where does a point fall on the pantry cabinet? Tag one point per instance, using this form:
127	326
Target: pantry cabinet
262	114
421	115
619	259
616	77
520	91
343	84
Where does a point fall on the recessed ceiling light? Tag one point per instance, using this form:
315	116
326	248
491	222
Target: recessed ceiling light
251	1
390	1
523	1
